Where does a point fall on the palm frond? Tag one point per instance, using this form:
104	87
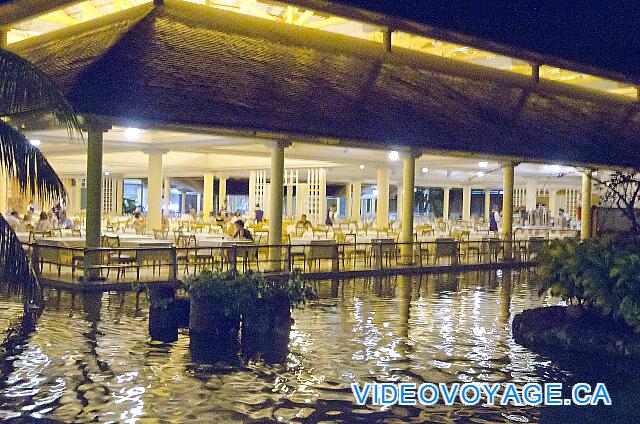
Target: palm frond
26	89
28	165
17	274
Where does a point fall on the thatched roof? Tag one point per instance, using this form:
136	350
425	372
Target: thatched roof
184	65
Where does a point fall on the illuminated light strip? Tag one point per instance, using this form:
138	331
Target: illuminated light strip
307	18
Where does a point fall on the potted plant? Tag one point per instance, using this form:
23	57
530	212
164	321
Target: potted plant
266	314
214	315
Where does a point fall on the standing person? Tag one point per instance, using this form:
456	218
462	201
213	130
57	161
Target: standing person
493	220
562	221
259	214
328	220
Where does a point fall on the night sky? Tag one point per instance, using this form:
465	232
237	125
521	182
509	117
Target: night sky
602	33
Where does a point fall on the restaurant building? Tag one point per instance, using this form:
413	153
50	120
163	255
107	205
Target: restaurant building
307	97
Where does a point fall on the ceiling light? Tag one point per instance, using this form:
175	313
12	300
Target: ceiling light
425	170
35	143
394	156
483	164
361	166
132	133
106	173
480	174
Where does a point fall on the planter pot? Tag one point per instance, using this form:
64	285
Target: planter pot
182	312
212	332
575	330
162	315
266	327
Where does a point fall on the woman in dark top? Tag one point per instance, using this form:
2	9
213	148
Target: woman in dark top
241	232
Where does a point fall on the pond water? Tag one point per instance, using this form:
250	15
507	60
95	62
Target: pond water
91	359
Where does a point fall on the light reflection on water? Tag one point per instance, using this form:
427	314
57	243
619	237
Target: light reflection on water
91	358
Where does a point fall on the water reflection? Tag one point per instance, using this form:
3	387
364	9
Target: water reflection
91	358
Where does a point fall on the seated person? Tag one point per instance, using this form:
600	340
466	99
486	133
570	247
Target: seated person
44	224
165	221
187	217
13	220
236	216
64	222
304	223
219	218
138	222
241	232
26	224
212	218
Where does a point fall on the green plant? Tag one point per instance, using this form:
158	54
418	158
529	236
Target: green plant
603	272
238	291
227	289
294	289
557	270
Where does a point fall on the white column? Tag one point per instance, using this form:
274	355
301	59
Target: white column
207	195
382	205
119	189
487	204
252	192
585	219
94	196
553	202
167	194
290	201
445	204
275	201
356	201
348	207
222	190
74	196
322	180
399	200
507	203
408	200
466	203
532	193
154	212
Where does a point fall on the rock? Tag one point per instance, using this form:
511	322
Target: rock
575	329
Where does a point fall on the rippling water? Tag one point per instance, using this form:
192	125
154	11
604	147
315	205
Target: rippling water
91	359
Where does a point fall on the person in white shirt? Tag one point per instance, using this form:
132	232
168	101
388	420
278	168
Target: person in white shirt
13	220
64	222
44	224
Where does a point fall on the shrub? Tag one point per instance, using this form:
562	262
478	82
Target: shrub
238	291
602	272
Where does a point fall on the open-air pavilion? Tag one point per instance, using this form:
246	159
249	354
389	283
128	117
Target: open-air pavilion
310	107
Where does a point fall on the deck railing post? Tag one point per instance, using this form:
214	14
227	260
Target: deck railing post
173	274
35	258
234	256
